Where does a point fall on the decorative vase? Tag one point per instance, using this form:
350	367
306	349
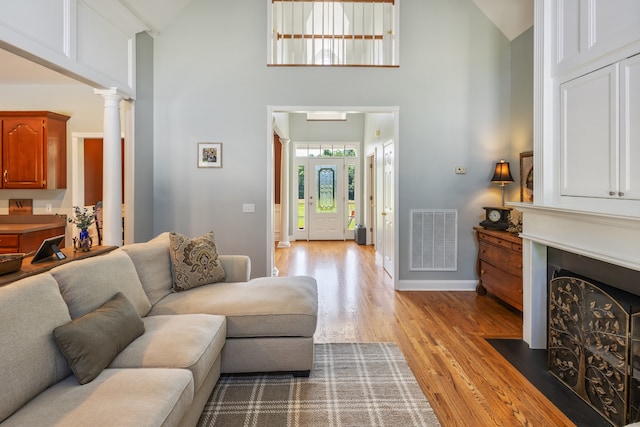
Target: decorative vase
84	241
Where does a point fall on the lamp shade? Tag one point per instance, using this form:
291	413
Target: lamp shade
502	173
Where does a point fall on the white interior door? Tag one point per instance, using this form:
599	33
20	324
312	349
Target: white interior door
325	201
387	212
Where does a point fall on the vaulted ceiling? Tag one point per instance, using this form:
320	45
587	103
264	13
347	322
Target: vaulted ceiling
512	17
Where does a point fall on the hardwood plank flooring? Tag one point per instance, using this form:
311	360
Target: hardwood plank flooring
441	334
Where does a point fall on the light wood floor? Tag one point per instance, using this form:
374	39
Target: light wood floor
440	333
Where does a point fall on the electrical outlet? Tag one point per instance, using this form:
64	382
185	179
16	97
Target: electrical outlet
48	208
461	170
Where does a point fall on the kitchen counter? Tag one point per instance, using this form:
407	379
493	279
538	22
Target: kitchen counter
25	233
26	228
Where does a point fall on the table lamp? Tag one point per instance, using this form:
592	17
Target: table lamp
502	176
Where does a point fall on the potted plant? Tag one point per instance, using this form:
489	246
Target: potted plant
82	218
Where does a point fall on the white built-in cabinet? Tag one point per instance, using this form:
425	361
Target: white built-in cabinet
594	72
600	132
588	30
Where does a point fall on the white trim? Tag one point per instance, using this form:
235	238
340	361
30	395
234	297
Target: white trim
437	285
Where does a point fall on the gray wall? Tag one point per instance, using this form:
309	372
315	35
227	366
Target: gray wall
143	199
350	130
521	103
212	85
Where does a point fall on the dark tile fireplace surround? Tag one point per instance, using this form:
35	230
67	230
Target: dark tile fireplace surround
594	333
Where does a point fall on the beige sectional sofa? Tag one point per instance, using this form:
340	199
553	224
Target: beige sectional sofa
165	375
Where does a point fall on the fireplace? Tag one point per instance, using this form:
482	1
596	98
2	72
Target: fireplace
597	236
588	242
593	335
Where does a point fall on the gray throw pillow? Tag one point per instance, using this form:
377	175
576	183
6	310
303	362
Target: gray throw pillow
91	342
194	262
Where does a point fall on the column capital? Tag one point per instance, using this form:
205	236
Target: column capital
111	94
284	141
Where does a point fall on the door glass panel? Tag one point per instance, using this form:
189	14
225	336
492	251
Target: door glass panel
326	189
351	197
301	198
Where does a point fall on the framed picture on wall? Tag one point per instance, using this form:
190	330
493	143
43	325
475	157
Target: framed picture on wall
209	154
526	176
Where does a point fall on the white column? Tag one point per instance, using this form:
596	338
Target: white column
112	169
284	195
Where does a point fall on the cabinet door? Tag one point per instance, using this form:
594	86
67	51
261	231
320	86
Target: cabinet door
630	129
22	153
589	134
587	30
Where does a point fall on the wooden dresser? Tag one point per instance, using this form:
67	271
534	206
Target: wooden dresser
500	265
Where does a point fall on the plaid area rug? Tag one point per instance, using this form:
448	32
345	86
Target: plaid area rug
350	385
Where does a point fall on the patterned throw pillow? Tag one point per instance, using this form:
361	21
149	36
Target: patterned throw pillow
194	261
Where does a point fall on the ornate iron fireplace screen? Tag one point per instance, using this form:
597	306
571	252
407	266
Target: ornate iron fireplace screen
589	347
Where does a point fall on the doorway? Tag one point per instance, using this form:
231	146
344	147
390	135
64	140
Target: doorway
278	121
93	170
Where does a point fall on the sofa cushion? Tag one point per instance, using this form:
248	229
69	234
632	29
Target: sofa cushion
153	264
30	360
87	284
92	341
190	341
118	397
195	261
263	307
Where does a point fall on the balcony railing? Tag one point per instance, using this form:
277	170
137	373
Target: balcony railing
333	33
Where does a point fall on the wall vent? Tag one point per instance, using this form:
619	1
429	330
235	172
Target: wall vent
434	240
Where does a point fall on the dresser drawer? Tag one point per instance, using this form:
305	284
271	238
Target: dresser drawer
499	241
506	286
507	259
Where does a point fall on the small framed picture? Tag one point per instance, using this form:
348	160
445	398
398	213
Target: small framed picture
526	176
209	154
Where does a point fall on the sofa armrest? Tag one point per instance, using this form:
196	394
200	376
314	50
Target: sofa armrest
237	268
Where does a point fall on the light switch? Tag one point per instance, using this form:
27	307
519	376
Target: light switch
248	207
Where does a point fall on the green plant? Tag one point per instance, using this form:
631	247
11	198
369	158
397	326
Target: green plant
82	218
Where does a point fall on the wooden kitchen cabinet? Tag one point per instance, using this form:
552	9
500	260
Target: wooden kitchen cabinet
34	150
500	265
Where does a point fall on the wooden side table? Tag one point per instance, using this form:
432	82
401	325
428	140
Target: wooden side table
499	265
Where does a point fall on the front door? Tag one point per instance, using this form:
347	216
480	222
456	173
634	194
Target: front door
327	214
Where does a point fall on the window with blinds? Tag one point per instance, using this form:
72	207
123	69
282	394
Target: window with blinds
333	33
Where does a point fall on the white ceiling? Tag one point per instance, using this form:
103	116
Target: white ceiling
512	17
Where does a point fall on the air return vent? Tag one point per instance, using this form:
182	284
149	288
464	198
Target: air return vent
434	240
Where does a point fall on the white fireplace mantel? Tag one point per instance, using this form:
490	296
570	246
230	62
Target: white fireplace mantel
610	238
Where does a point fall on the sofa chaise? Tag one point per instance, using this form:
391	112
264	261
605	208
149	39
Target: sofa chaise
107	341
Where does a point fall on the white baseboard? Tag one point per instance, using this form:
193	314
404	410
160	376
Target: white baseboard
437	285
